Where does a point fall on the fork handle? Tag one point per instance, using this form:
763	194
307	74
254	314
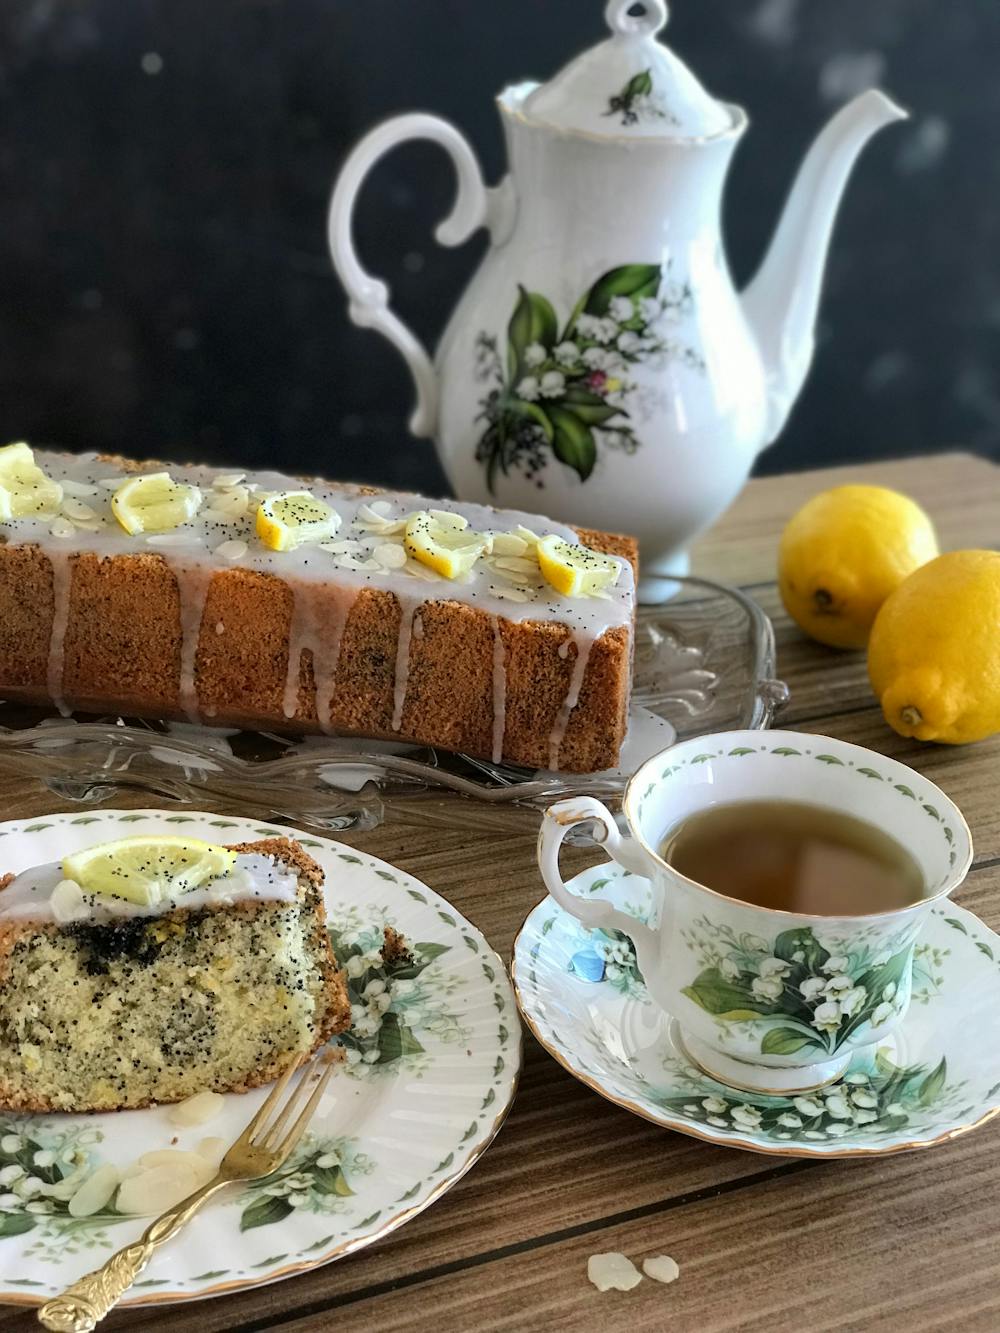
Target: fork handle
82	1306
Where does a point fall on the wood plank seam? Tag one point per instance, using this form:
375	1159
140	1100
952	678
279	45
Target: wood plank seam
593	1227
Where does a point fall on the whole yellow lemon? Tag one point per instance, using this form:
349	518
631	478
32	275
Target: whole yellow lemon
934	653
843	553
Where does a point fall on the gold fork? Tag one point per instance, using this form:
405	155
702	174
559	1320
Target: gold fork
256	1153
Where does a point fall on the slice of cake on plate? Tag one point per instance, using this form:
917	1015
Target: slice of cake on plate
267	602
150	969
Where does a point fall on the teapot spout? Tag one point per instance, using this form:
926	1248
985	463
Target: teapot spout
781	303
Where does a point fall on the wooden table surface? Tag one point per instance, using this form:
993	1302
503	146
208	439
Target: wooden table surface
764	1243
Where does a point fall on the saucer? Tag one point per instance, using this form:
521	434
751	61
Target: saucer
936	1077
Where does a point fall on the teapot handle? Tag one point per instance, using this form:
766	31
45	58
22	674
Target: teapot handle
475	207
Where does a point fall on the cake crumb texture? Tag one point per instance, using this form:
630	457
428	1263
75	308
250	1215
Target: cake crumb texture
123	642
100	1017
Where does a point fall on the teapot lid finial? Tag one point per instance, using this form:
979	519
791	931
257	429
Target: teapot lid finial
630	85
636	18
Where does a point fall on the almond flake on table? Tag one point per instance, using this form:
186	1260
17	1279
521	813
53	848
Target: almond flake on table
661	1269
234	550
612	1272
81	489
62	527
381	507
227	481
350	562
347	546
212	1149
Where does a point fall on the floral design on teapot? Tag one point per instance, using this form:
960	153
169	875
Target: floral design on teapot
637	102
820	995
567	392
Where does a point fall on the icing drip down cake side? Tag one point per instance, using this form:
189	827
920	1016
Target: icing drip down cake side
268	602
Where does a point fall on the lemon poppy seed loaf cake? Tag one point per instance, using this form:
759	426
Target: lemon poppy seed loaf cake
266	602
109	1002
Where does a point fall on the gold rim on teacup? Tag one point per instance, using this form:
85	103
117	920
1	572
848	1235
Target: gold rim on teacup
767	997
955	878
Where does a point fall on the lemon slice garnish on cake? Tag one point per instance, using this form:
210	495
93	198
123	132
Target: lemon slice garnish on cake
288	519
444	542
25	490
573	570
147	870
154	503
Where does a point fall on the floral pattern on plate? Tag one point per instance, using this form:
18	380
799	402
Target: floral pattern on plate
936	1077
441	1054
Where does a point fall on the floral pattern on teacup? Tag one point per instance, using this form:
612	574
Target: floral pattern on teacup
814	996
610	956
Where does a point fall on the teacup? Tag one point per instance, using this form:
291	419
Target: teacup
764	999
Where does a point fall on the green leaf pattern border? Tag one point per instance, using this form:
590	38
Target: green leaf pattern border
561	392
320	1162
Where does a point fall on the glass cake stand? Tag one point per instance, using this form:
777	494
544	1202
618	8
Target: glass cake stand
704	662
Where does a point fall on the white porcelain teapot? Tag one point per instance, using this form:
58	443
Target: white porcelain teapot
601	367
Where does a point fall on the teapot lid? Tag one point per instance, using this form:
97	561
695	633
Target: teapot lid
630	85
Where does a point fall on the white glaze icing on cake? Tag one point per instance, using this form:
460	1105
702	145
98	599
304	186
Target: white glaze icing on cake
367	553
253	878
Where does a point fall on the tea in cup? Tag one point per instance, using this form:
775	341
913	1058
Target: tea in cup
791	875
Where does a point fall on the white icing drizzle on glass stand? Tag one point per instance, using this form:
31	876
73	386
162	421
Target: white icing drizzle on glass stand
324	583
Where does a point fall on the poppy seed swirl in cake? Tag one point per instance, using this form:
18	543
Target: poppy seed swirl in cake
113	1012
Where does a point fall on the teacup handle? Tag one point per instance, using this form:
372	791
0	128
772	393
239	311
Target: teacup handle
592	912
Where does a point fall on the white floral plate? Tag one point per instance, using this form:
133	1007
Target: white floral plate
938	1076
392	1134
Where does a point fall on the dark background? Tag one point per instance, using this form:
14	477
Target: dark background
165	167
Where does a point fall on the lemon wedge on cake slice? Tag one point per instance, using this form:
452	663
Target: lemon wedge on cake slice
147	870
444	542
154	503
573	570
25	490
288	519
